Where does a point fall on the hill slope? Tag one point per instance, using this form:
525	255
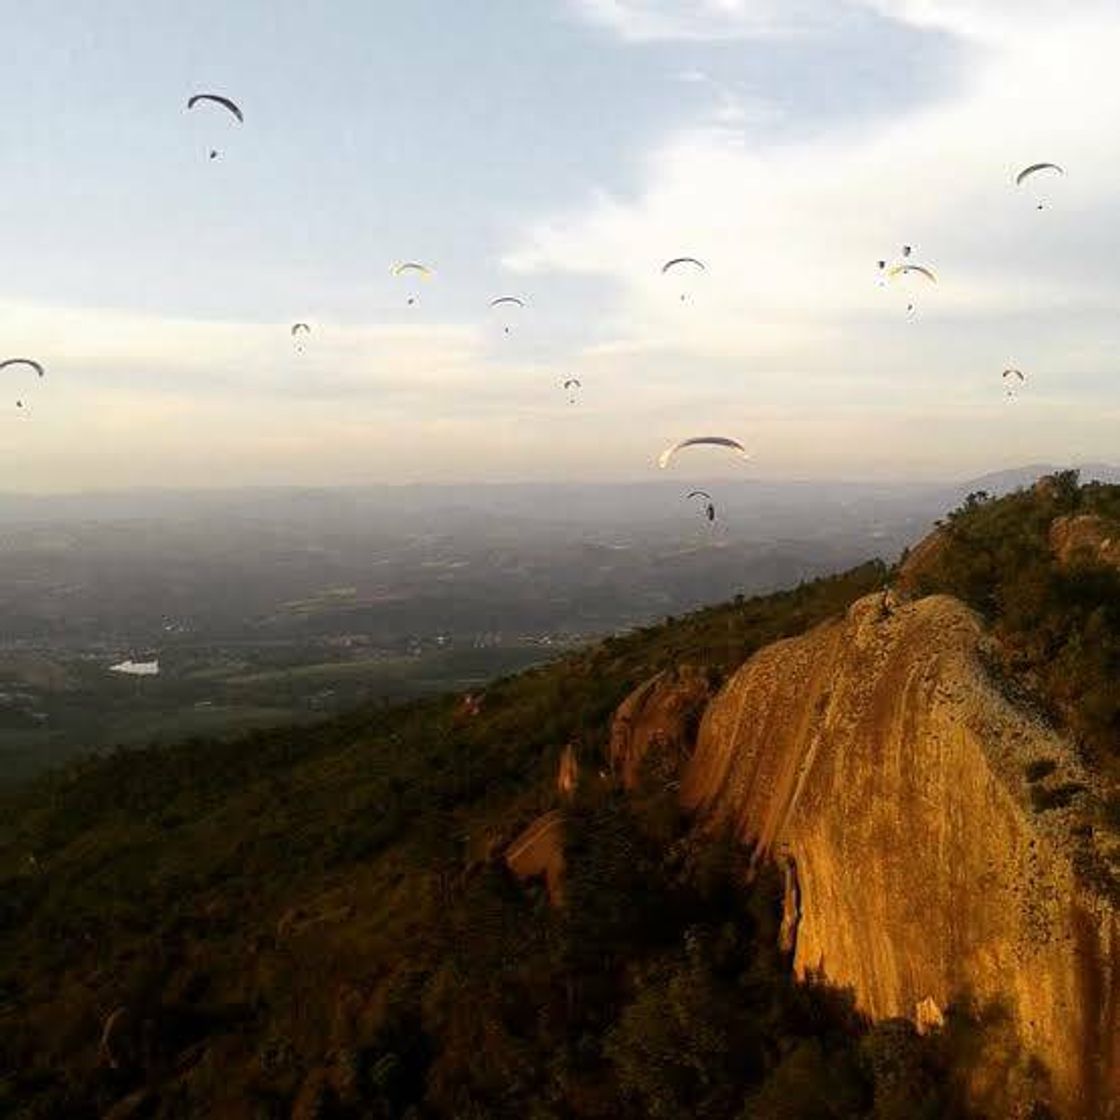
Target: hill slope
321	922
309	915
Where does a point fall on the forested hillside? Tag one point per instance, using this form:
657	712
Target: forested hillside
319	922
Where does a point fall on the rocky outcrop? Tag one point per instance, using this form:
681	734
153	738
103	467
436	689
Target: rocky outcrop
539	852
662	715
876	758
567	775
1085	537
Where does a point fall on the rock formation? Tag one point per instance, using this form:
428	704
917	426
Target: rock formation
1086	536
661	715
876	758
539	851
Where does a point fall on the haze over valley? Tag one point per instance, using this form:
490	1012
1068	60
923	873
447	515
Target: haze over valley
263	606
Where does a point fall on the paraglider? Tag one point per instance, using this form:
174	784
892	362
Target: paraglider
905	276
683	265
416	270
920	270
297	330
510	302
1030	175
667	456
571	385
34	366
709	504
225	103
1012	379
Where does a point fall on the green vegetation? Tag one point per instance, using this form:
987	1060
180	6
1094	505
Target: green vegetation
317	910
1058	623
317	921
54	709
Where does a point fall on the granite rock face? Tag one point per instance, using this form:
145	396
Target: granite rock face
878	760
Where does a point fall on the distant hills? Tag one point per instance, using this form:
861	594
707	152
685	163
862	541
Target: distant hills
1003	482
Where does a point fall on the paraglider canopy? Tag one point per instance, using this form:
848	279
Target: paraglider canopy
23	362
1034	169
670	452
676	262
917	269
217	99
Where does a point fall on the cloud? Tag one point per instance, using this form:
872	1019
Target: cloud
787	342
995	20
94	347
699	20
791	314
710	20
132	399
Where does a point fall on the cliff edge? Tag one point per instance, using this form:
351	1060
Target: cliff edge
936	835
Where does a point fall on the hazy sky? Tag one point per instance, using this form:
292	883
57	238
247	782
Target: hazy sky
559	150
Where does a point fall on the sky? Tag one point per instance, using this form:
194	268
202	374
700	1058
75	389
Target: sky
560	151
